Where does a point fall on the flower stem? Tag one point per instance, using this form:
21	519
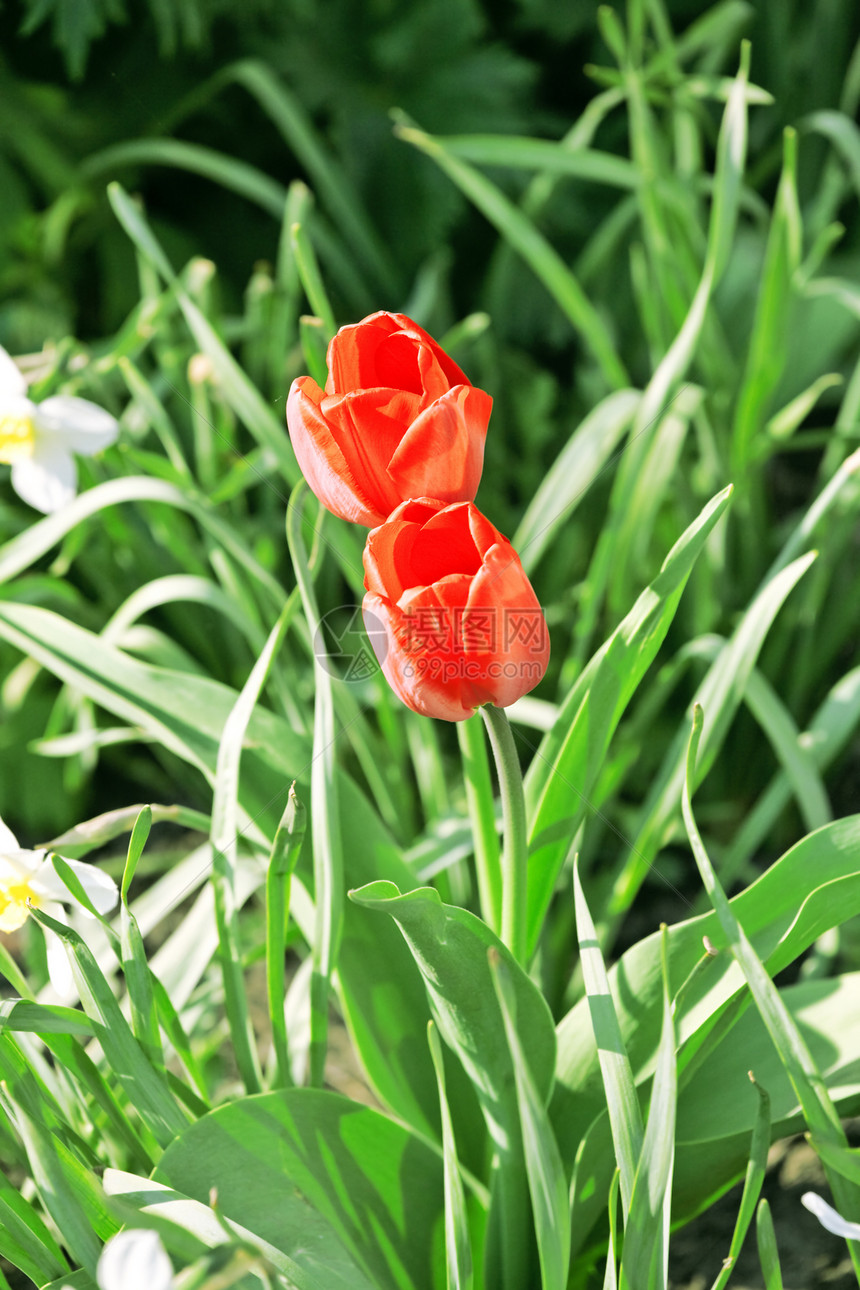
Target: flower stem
515	853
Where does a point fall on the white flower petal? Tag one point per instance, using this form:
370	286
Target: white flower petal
829	1218
11	380
134	1260
47	480
20	866
99	886
8	841
84	427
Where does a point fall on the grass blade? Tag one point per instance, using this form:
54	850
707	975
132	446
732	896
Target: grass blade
721	692
645	1254
282	861
752	1185
225	828
458	1245
325	817
541	257
146	1091
482	813
621	1098
767	1250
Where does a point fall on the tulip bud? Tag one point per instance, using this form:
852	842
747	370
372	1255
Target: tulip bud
397	419
457	623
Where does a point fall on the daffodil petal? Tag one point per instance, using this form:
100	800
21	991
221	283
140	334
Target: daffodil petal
19	866
8	841
829	1218
84	427
48	479
12	382
134	1260
99	886
13	915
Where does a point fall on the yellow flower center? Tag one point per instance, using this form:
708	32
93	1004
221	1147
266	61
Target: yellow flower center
17	437
14	910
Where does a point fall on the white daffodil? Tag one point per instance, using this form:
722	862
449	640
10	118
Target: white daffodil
28	880
38	439
134	1260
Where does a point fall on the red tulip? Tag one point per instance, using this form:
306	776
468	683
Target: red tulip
450	613
397	419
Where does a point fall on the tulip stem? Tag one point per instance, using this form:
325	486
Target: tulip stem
515	852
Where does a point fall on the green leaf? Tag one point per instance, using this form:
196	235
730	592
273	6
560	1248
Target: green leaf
127	1059
349	1195
718	1107
818	1109
240	392
24	1238
29	546
283	858
312	280
70	1193
584	456
43	1018
767	346
222	169
224	837
136	843
325	815
187	715
328	178
814	886
752	1184
450	947
482	814
458	1246
189	1229
547	1185
570	757
541	257
543	154
721	693
767	1249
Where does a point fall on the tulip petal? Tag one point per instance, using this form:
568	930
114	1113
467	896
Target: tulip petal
502	595
320	458
445	545
453	374
388	552
352	353
368	426
83	426
12	383
47	480
442	453
410	677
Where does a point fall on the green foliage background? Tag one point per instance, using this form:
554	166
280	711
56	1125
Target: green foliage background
93	92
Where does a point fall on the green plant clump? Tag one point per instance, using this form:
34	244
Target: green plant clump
362	1013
